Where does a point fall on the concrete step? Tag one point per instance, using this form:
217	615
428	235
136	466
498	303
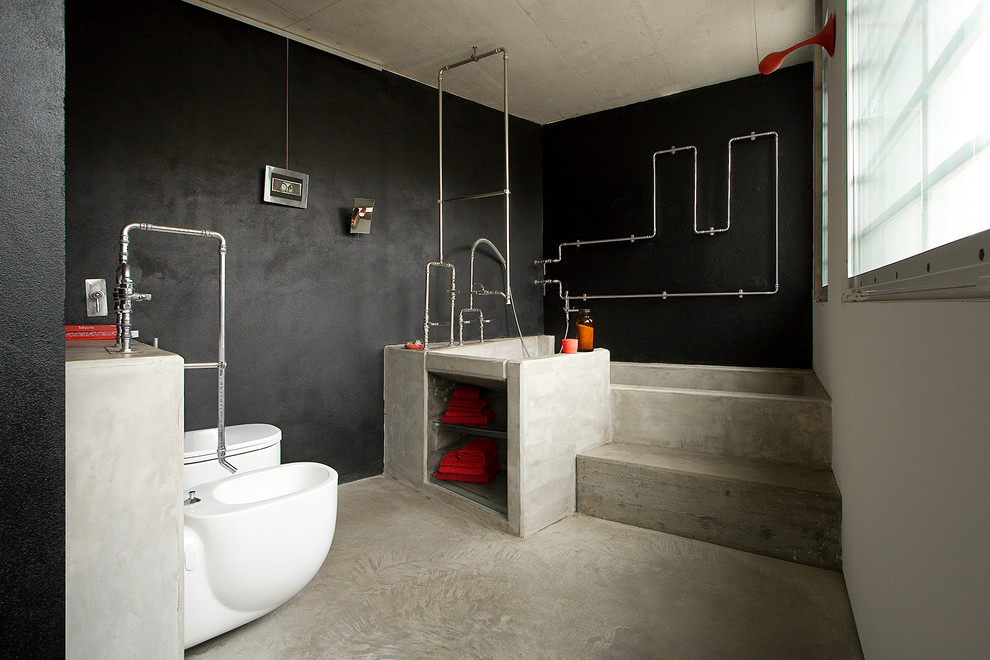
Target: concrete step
780	428
783	511
788	382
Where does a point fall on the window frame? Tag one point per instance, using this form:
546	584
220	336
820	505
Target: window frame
956	270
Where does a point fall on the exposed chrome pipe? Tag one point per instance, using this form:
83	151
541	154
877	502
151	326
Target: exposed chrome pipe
505	120
453	297
441	200
633	237
124	296
461	322
741	293
474	58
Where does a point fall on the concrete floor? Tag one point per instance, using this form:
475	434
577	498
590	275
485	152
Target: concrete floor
410	576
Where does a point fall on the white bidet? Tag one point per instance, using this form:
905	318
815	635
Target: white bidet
253	541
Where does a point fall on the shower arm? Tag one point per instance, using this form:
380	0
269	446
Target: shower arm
124	296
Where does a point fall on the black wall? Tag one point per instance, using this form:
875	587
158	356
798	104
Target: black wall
598	184
32	394
172	112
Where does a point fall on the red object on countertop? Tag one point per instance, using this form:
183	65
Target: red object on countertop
90	332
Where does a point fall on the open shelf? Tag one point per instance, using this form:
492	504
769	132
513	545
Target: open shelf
480	431
493	495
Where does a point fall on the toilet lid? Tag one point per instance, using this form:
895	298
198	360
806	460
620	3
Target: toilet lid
238	439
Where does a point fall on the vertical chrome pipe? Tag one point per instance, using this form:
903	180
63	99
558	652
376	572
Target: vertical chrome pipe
440	200
440	164
222	360
127	296
505	117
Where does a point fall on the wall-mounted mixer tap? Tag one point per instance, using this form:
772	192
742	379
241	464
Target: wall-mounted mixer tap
123	299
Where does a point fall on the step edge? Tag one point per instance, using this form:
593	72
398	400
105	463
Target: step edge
762	396
831	492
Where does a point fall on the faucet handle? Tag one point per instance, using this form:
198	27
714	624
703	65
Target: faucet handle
96	305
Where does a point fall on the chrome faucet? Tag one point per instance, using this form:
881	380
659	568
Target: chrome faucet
123	299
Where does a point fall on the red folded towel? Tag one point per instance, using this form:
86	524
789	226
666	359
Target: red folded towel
467	392
465	471
478	449
473	478
474	413
467	405
451	460
479	453
481	419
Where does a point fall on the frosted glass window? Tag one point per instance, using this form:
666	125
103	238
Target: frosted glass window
918	126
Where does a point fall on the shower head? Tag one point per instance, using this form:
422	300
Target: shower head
825	39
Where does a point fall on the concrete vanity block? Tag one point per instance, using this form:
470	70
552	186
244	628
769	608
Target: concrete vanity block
123	502
553	405
405	414
778	428
558	405
787	512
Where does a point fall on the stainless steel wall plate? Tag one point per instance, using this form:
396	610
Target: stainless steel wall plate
286	187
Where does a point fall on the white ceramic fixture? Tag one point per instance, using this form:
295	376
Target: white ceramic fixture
252	541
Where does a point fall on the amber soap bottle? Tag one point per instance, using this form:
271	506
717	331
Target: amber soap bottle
585	331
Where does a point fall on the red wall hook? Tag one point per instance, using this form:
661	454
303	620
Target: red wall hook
825	39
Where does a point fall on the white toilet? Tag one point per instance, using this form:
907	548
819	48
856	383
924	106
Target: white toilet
252	541
249	447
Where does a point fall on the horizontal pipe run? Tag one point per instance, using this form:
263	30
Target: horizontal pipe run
202	365
664	295
633	237
497	193
474	58
176	230
740	293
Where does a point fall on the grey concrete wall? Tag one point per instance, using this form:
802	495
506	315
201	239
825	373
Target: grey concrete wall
172	114
909	384
32	416
123	503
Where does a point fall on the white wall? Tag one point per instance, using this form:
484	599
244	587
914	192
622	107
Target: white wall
910	383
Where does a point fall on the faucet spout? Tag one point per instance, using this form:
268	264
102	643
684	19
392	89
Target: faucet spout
482	291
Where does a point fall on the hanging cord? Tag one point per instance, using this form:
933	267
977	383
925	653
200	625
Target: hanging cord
518	328
567	329
286	103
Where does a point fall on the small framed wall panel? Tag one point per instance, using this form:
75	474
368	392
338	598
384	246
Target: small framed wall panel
286	187
361	215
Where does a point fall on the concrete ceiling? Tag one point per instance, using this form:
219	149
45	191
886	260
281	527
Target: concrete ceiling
566	57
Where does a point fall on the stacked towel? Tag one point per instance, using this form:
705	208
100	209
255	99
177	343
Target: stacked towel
468	407
477	461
